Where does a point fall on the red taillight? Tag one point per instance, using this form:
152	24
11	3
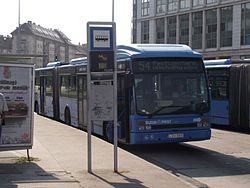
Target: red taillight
205	121
141	125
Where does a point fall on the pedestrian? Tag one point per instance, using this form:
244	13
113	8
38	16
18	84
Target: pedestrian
3	109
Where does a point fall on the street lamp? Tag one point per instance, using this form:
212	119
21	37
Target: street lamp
18	29
113	10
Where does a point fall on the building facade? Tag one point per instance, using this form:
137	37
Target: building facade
45	45
216	28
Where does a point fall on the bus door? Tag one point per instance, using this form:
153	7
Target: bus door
47	104
42	94
123	107
219	79
82	100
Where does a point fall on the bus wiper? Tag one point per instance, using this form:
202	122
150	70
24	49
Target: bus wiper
161	108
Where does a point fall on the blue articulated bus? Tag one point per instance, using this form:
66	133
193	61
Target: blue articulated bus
230	92
163	95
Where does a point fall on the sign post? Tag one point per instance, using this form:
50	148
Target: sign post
102	80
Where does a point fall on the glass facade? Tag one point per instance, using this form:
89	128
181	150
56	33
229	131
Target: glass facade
160	31
145	31
205	25
171	31
197	30
184	29
211	28
245	24
145	7
226	26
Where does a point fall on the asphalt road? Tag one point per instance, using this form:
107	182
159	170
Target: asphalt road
223	161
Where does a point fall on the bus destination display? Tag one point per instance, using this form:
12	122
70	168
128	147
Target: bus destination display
167	66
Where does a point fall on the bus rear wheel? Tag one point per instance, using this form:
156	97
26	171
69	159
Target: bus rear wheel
67	116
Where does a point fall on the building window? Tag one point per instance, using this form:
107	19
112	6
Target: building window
245	57
134	37
197	30
145	31
160	31
172	5
245	24
184	4
145	7
23	48
160	6
226	26
184	29
211	1
134	32
198	3
211	28
134	8
171	32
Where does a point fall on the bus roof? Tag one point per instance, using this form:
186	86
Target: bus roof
55	64
76	61
224	63
217	66
45	68
155	50
218	62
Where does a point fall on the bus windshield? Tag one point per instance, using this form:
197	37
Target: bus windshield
175	92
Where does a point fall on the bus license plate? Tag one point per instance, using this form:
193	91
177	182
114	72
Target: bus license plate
176	135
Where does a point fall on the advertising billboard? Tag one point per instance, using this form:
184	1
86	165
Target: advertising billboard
16	86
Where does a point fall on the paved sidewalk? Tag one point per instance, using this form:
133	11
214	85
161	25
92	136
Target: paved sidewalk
60	154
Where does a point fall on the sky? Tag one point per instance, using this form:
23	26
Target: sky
69	16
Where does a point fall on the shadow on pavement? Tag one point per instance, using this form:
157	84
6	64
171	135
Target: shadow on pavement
130	182
13	174
190	160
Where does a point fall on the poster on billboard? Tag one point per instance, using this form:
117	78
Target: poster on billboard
16	86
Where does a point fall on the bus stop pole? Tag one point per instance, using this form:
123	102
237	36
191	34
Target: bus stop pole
88	107
115	103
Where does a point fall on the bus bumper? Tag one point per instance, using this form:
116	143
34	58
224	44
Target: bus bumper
170	137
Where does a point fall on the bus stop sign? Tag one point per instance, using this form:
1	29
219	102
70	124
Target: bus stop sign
101	51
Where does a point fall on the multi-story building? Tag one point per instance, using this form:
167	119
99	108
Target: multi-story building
216	28
45	45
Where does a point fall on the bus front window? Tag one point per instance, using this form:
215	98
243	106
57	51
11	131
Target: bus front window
170	93
145	93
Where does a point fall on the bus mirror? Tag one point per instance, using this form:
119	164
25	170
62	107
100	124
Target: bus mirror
210	93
